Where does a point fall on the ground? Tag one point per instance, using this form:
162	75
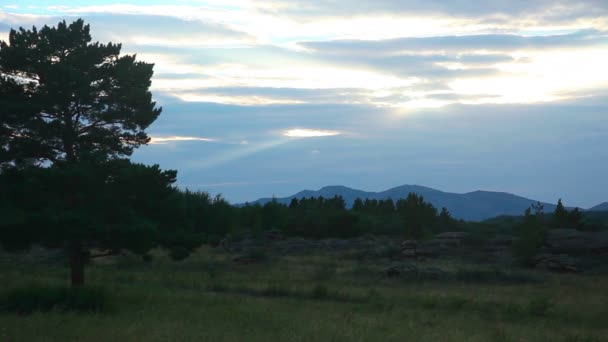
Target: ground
321	297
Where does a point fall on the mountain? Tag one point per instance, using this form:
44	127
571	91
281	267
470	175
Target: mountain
600	207
471	206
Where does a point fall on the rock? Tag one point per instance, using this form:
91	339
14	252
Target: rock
427	251
573	242
556	262
413	248
451	239
244	259
598	243
400	270
501	241
409	244
392	271
432	273
409	253
566	241
273	234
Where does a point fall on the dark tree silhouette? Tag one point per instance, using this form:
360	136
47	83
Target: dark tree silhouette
562	218
63	98
75	108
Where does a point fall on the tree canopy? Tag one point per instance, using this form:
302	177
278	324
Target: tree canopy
64	98
71	112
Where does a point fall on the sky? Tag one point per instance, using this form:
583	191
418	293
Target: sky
270	97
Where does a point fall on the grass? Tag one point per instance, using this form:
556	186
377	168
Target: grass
44	298
207	297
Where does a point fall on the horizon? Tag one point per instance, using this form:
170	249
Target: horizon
417	185
264	98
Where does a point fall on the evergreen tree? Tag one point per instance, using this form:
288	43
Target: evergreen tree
358	205
560	215
76	108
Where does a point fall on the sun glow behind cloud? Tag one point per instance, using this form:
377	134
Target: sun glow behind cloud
538	74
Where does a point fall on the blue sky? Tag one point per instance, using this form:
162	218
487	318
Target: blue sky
270	97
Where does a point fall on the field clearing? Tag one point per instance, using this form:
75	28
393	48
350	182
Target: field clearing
324	297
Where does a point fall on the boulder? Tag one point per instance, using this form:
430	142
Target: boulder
273	234
566	241
409	244
598	243
573	242
413	248
451	239
556	262
400	270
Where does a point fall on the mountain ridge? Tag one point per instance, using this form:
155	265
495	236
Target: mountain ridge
476	205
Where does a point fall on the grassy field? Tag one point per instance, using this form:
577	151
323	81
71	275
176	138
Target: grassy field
308	298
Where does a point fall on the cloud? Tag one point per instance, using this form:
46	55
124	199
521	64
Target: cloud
480	42
498	8
164	31
164	140
309	133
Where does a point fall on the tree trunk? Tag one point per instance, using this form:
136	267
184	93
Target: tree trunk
77	261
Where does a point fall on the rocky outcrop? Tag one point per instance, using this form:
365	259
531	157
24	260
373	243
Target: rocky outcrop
451	239
413	272
575	242
441	243
556	262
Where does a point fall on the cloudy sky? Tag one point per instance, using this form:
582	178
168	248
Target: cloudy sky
270	97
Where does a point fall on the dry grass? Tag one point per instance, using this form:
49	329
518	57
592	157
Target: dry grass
308	298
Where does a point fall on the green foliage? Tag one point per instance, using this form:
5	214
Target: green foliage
389	252
257	254
320	291
70	112
562	218
420	217
64	99
36	298
530	235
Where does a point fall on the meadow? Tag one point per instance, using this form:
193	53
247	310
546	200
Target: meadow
310	297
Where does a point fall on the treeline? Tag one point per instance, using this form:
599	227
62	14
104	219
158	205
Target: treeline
320	217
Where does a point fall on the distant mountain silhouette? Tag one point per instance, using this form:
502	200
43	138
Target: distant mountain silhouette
600	207
471	206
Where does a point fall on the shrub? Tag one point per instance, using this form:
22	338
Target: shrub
36	298
320	292
212	269
390	252
179	253
256	254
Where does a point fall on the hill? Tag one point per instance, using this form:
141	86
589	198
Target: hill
600	207
471	206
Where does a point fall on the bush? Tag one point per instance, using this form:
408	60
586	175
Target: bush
179	253
256	254
389	252
212	269
32	299
320	292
